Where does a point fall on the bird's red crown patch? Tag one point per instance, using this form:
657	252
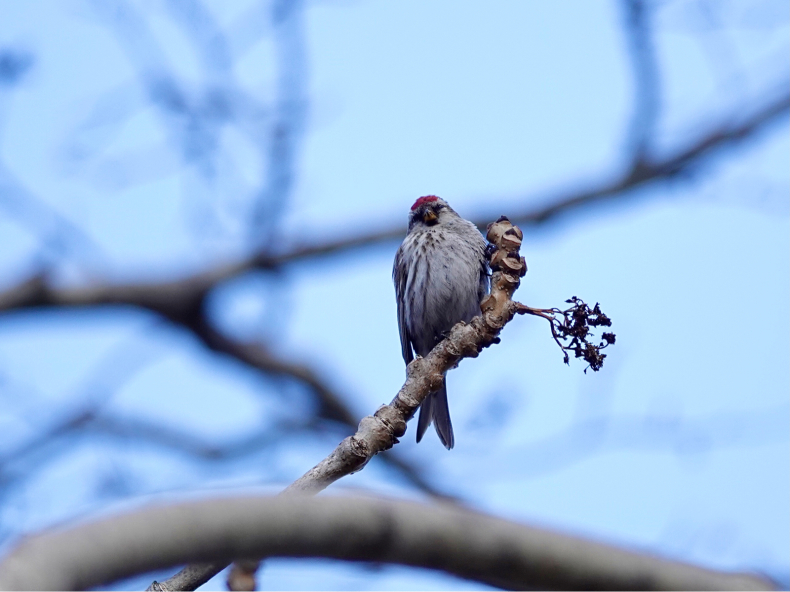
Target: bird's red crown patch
422	200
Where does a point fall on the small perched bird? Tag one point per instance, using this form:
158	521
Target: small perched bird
440	276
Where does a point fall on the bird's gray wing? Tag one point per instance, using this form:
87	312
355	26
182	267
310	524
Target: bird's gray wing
399	273
484	280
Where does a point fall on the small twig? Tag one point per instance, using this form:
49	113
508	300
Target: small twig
547	314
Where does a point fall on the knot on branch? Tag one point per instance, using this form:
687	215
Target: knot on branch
503	251
354	450
421	372
494	301
392	420
507	265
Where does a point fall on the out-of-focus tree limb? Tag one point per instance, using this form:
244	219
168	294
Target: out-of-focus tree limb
642	172
181	302
644	62
444	537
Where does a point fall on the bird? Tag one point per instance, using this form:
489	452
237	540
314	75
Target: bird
441	276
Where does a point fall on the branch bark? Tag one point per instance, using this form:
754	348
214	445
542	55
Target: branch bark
438	536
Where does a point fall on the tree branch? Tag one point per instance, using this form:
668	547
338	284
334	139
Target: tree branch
182	303
443	537
646	76
682	160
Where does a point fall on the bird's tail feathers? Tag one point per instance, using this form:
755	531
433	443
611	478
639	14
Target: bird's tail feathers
434	409
426	415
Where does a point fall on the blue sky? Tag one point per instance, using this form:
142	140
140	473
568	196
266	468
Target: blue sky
680	444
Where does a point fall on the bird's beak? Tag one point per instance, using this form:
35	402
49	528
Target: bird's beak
429	217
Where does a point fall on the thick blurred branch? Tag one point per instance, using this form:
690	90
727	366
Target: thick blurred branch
682	160
444	537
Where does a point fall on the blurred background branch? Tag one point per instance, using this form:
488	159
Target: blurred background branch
476	546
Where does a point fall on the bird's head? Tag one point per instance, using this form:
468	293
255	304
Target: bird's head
429	210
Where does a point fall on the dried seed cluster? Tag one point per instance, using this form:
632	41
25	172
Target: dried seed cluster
576	325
